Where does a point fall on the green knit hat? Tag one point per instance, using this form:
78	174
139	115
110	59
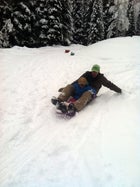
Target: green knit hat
96	68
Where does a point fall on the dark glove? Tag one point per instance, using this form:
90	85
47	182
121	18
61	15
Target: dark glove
120	91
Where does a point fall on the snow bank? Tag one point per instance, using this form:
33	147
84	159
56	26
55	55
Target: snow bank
99	147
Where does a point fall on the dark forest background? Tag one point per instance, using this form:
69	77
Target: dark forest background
36	23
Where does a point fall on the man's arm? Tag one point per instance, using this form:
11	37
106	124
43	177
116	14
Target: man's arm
110	85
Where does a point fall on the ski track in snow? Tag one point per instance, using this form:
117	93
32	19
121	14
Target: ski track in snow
98	147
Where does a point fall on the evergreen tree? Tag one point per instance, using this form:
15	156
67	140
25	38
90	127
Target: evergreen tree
5	25
78	17
137	16
66	23
5	13
40	27
87	11
54	33
96	30
112	22
120	22
38	23
22	19
138	25
5	34
130	15
107	15
33	39
87	21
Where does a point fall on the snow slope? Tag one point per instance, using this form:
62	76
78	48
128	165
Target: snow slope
99	147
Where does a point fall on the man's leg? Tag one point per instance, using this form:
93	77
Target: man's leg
66	93
83	100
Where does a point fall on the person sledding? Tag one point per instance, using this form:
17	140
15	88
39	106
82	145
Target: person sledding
95	80
70	94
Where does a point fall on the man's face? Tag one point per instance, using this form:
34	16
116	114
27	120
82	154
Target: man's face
94	74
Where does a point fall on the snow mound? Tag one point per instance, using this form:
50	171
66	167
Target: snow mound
99	147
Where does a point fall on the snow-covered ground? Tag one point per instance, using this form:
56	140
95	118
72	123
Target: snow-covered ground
99	147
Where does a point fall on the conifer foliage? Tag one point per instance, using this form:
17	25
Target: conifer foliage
66	17
131	15
21	20
108	17
40	26
37	23
96	29
78	17
5	26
